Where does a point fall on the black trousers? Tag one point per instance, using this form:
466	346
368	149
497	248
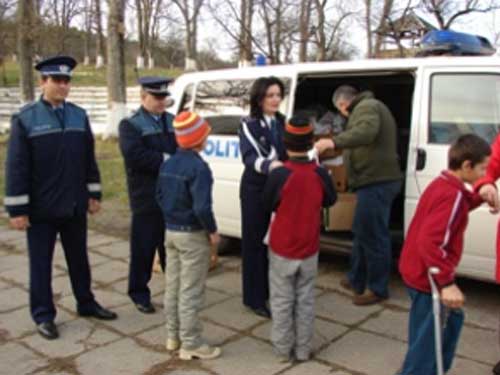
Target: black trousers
147	236
254	225
41	242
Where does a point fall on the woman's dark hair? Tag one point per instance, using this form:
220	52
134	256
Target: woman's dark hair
258	93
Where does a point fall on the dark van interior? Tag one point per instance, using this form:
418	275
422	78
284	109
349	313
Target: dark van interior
394	88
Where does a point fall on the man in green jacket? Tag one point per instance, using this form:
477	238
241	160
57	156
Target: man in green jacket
369	143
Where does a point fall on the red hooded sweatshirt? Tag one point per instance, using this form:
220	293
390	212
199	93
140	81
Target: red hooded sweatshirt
435	237
492	174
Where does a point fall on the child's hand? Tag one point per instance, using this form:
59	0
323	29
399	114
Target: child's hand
275	164
452	297
214	239
489	194
214	257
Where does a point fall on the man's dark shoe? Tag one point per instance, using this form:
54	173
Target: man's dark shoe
99	312
496	369
367	298
48	330
146	308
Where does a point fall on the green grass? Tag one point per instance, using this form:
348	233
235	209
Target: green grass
85	75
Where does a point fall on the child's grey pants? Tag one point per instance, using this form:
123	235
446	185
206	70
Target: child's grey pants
291	283
188	255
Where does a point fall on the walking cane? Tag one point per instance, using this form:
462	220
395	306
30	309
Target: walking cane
436	309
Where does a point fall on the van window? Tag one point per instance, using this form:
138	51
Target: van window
187	99
223	103
462	104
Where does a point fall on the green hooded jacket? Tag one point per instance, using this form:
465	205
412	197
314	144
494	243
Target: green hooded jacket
369	143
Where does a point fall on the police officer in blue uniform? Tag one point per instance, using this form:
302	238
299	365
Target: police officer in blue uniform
52	182
146	139
262	149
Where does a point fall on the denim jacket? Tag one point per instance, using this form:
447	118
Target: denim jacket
184	192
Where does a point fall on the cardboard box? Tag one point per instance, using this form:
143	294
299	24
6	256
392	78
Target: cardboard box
340	217
339	177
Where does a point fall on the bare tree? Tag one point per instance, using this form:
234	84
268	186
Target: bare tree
25	22
384	18
304	28
87	23
190	10
368	23
117	93
279	27
99	44
328	32
240	31
148	16
62	13
447	12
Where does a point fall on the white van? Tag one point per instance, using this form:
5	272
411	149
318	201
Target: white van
433	100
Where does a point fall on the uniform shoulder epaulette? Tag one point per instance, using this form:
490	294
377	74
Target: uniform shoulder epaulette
249	119
133	113
26	107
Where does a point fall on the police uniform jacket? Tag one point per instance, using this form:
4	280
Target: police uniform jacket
145	144
51	168
258	149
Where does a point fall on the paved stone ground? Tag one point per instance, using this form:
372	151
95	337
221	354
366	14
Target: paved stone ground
348	340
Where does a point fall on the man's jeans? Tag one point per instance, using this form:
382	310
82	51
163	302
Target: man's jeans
371	253
421	356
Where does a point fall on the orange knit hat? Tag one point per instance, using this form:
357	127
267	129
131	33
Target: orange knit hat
190	129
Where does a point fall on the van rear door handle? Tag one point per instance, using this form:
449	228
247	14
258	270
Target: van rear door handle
421	158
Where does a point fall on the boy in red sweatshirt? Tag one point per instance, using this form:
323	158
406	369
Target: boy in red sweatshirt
435	239
296	192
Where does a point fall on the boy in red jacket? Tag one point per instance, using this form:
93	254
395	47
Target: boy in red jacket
296	192
435	239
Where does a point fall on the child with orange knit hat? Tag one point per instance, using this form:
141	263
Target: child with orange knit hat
184	194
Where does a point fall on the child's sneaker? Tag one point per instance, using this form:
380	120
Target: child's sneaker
172	344
203	352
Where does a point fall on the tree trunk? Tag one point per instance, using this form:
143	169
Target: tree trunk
140	31
99	45
246	33
321	37
305	17
117	90
88	32
368	20
386	11
25	22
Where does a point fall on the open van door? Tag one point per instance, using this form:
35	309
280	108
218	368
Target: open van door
456	101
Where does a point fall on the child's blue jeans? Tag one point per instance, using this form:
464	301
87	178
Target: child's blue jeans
421	356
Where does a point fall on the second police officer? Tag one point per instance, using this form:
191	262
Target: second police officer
146	139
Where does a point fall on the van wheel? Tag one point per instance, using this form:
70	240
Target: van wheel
229	245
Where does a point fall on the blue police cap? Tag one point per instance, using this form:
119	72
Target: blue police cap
56	66
155	85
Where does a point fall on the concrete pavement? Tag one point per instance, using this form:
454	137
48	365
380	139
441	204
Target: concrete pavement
348	340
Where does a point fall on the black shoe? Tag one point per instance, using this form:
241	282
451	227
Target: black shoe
146	308
261	311
48	330
496	369
99	312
